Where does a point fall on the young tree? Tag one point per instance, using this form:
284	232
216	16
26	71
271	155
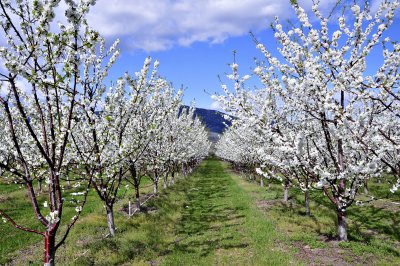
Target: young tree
158	150
41	84
113	129
380	138
142	130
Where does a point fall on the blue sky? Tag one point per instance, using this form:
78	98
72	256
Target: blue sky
194	39
195	68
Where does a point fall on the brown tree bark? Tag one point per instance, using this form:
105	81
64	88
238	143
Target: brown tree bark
49	247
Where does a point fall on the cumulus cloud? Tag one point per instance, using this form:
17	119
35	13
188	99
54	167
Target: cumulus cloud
216	106
154	25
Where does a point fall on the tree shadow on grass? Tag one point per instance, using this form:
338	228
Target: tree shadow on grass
205	214
205	247
368	225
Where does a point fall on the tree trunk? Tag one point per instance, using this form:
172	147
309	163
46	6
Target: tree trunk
183	169
138	204
165	181
130	207
366	185
307	203
342	225
261	181
172	178
110	220
68	183
155	189
49	248
341	212
137	194
286	192
40	186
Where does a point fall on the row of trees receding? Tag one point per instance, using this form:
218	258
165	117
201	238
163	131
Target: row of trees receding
65	132
322	119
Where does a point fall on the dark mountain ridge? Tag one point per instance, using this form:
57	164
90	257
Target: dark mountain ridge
212	119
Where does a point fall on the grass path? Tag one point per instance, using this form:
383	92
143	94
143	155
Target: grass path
220	224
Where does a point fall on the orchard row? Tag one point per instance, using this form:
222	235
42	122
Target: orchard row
62	127
321	119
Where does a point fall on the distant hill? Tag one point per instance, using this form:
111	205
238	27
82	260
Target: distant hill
213	120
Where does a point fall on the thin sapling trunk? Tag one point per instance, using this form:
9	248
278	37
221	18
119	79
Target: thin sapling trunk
342	224
307	202
165	185
286	191
110	219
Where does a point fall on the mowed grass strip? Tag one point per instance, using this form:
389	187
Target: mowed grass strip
221	225
204	219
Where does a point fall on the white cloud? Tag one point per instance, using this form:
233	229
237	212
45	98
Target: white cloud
216	106
153	25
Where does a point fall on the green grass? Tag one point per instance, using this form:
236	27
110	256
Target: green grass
220	224
213	217
15	202
204	219
373	229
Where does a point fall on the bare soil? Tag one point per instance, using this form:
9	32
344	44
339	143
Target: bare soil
331	255
267	204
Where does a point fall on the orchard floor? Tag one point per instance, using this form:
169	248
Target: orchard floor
215	217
